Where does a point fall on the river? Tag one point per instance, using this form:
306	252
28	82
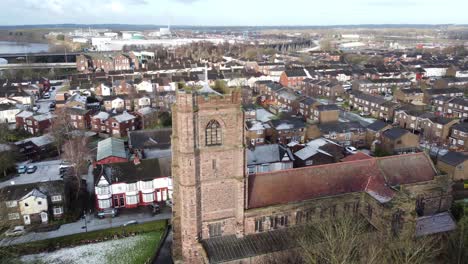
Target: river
15	47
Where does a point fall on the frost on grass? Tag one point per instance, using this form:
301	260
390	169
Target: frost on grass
124	251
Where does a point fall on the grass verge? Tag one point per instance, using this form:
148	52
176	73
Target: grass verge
86	238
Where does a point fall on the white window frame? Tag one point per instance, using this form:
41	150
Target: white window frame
11	204
58	210
13	216
56	198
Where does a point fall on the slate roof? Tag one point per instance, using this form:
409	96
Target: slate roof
440	120
395	133
461	127
125	116
111	147
286	124
153	139
373	176
16	192
330	107
454	158
268	154
296	73
433	224
128	172
339	127
377	125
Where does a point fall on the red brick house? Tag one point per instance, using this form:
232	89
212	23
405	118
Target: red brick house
119	125
80	118
33	123
293	78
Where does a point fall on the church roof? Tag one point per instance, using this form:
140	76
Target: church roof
373	176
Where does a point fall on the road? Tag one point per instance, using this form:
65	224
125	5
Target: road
92	224
45	103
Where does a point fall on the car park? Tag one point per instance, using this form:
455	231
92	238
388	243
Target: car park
31	169
16	231
112	212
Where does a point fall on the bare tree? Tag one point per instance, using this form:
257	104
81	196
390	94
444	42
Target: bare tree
60	128
351	240
76	152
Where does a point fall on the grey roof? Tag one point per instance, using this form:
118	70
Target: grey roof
395	133
286	124
152	139
129	172
330	107
111	147
454	158
461	127
377	125
340	127
16	192
229	248
428	225
268	154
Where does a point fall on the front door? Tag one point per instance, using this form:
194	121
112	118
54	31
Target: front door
27	219
44	217
119	200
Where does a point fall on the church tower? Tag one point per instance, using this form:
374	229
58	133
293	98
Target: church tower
208	168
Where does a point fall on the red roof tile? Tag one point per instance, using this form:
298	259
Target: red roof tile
357	156
369	175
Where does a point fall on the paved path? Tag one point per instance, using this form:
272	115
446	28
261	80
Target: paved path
93	224
165	254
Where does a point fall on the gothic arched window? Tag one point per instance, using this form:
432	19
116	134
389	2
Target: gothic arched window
213	133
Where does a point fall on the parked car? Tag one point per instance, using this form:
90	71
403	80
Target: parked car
31	169
46	95
22	169
131	222
52	105
364	114
339	99
351	150
155	208
112	212
16	231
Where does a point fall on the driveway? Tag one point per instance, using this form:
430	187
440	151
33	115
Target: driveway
92	224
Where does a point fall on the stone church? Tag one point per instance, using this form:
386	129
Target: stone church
221	214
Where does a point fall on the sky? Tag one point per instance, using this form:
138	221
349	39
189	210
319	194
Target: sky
233	12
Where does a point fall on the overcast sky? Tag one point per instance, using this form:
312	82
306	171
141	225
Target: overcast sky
234	12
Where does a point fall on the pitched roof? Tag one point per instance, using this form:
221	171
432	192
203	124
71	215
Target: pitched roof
461	126
377	125
454	158
125	116
373	176
158	138
128	172
330	107
16	192
395	133
268	154
433	224
340	127
111	147
358	156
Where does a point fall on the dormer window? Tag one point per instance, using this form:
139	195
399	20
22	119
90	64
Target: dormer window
213	133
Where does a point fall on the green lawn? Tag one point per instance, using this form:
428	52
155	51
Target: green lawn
89	237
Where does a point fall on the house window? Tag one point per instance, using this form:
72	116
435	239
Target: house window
309	162
148	197
132	199
39	202
213	133
215	229
26	204
103	204
147	185
131	187
259	224
56	198
58	210
11	204
100	191
13	216
251	169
